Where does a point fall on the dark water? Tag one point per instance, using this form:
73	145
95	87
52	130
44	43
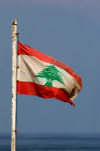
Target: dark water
52	143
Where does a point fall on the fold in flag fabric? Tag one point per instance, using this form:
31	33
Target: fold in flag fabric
43	76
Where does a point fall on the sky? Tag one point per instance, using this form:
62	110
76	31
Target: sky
68	30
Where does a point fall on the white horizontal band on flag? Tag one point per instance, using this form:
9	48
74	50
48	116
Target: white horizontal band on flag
30	66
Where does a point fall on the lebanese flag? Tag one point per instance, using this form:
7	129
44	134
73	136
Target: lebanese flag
43	76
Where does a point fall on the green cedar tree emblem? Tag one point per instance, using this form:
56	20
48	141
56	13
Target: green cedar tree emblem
50	73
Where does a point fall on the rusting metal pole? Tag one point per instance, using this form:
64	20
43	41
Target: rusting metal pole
14	74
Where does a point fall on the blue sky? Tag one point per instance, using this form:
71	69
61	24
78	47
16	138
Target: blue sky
69	31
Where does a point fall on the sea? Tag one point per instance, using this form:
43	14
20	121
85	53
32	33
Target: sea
51	142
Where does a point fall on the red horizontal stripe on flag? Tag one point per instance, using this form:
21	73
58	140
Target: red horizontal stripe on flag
26	50
30	88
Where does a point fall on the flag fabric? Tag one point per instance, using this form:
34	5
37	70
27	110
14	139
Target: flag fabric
43	76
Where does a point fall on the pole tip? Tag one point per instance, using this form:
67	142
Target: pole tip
14	22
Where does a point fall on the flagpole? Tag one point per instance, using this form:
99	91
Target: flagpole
14	74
